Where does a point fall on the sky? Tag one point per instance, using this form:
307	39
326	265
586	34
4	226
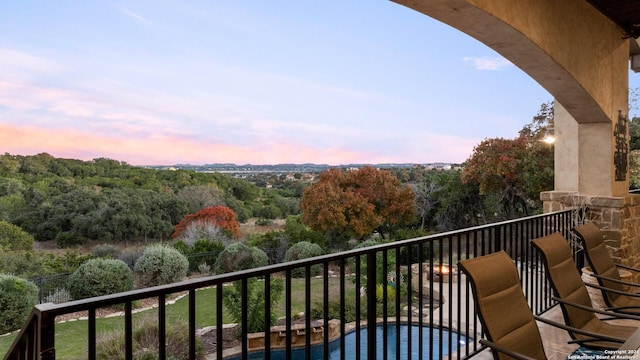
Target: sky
261	82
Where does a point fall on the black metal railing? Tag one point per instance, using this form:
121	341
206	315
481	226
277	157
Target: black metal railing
411	284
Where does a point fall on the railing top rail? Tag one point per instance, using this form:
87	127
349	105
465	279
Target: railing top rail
119	298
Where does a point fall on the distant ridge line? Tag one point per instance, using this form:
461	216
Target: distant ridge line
287	167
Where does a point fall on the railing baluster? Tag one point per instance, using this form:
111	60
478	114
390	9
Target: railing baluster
244	323
459	305
441	291
358	312
192	324
342	310
325	309
398	296
91	325
162	325
288	314
307	310
267	317
385	310
409	260
420	302
128	331
219	321
371	305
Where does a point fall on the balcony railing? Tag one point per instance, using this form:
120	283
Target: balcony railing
351	281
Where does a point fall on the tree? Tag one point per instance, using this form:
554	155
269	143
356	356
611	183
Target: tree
13	238
515	169
426	198
219	216
460	205
238	256
201	196
634	98
541	123
634	133
357	203
634	169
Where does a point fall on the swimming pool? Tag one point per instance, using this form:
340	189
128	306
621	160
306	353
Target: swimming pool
317	351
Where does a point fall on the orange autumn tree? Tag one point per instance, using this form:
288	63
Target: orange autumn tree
219	216
357	203
513	170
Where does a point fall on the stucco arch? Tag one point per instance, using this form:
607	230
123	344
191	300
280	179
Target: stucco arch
577	54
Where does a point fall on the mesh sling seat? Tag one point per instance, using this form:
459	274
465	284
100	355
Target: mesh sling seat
507	320
571	292
606	271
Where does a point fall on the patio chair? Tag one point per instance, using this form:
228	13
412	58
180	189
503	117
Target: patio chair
497	292
571	292
606	271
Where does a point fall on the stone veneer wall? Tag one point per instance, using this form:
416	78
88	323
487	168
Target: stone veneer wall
617	217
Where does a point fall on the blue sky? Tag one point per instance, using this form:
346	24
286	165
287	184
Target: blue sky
262	82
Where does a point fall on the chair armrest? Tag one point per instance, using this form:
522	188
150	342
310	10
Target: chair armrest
594	336
611	315
626	267
623	282
503	350
610	290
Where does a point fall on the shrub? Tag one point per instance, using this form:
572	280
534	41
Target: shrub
106	251
67	239
130	256
201	251
203	230
335	310
145	342
20	262
296	231
255	303
160	265
17	298
13	238
391	293
204	269
350	309
274	243
98	277
264	222
239	256
303	250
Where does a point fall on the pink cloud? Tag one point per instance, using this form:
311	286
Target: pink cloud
160	149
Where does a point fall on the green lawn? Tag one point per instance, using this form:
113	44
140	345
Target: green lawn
71	337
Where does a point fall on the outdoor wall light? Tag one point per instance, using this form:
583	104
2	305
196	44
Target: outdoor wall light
549	138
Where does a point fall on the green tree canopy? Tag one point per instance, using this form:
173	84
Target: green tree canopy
13	238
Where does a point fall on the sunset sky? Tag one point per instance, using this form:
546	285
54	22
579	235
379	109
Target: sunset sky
262	82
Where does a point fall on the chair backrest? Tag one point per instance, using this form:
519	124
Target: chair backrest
502	308
598	257
566	281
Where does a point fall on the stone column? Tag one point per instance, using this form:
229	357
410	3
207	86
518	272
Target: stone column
617	216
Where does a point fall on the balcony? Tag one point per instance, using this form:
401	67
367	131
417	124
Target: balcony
436	297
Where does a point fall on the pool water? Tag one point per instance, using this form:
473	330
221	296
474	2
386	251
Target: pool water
317	352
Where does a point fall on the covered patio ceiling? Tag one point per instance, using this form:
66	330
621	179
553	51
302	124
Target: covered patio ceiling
625	13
